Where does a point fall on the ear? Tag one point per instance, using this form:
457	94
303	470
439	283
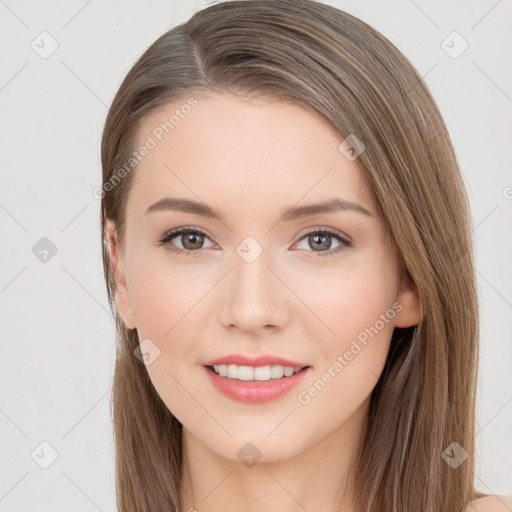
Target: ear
122	299
411	312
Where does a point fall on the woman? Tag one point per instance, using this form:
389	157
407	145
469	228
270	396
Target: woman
287	250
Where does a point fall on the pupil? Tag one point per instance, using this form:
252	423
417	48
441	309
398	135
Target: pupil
190	238
325	245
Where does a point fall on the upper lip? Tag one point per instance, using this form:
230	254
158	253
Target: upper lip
263	360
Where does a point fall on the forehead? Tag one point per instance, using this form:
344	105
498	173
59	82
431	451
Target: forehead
227	149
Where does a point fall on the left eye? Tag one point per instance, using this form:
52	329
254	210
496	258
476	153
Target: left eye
322	239
192	242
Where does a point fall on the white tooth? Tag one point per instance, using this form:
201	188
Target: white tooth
262	373
288	371
250	373
277	371
245	373
232	371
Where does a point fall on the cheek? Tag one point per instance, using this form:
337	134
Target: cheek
353	350
348	303
168	300
165	299
352	353
163	296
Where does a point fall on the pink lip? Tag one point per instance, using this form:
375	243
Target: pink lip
255	392
263	360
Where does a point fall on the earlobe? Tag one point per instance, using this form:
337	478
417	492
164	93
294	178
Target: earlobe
121	297
411	312
125	309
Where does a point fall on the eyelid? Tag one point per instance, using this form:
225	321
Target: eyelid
173	233
322	228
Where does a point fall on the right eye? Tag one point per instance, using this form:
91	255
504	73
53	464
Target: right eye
190	243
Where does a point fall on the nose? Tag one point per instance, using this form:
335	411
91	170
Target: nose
254	296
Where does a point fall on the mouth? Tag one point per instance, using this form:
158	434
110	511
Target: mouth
255	385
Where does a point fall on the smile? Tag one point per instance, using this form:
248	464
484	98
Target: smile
254	384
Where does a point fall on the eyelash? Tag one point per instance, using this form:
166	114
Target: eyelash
173	233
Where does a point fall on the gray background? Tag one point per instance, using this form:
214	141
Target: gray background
57	347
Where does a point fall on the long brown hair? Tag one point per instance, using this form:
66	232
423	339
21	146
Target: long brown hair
341	68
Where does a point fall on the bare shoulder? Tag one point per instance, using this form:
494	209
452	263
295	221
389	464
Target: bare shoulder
497	503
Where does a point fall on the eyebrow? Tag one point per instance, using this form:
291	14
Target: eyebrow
292	213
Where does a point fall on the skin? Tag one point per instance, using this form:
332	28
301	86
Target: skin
500	503
251	160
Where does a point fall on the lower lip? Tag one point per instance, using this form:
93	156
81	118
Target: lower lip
255	392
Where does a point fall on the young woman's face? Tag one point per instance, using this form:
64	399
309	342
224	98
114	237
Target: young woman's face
252	283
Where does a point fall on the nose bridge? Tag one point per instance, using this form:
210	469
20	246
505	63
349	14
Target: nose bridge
254	296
